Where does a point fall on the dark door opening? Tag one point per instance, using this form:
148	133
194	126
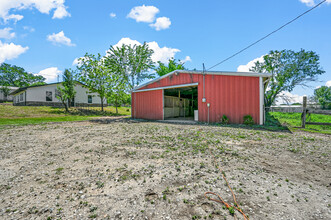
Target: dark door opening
180	103
72	102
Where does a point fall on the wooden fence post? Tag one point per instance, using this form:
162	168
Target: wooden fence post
303	115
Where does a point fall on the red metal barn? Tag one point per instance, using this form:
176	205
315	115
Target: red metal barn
186	95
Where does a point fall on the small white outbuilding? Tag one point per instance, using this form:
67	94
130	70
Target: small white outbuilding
8	98
46	95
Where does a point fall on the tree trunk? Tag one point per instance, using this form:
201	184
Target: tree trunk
267	104
116	104
101	104
65	105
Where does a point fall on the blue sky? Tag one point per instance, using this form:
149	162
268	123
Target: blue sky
46	36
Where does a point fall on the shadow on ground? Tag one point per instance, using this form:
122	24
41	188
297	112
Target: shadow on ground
272	124
83	112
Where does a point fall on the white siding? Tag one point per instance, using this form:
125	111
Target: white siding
38	94
82	95
261	101
19	97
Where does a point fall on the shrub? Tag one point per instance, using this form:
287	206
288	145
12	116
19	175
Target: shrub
248	120
224	120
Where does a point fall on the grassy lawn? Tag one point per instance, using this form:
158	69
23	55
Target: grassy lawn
293	121
23	115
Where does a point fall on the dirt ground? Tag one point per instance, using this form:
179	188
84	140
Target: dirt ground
124	169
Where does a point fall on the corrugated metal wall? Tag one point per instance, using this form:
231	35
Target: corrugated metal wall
148	105
181	78
234	96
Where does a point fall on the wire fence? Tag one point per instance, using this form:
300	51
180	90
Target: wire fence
87	108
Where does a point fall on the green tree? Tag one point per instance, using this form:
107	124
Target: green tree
133	62
93	72
66	91
173	65
5	90
288	69
118	96
118	62
118	87
11	75
323	96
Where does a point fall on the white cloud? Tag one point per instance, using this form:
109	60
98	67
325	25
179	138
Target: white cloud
161	23
13	17
288	98
43	6
75	62
112	15
308	2
148	14
6	34
10	51
312	2
162	54
60	38
27	28
127	41
187	59
250	64
143	13
61	12
50	74
78	62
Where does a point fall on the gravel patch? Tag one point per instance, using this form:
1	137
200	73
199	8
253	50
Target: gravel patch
123	169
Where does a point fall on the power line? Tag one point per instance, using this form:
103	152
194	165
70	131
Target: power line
261	39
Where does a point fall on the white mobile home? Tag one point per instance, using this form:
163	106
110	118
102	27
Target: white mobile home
46	95
8	98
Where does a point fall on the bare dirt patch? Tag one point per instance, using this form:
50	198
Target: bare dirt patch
122	169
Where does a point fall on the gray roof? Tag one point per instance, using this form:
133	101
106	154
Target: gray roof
10	87
18	90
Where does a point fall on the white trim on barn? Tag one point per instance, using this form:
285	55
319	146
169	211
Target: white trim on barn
261	100
163	104
168	87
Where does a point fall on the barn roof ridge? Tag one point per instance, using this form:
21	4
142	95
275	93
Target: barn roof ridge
264	75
